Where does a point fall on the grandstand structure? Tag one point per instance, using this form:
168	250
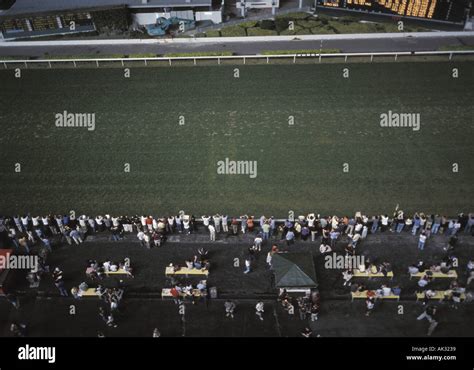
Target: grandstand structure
30	18
47	25
440	10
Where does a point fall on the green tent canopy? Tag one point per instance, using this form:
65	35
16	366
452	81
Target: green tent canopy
294	270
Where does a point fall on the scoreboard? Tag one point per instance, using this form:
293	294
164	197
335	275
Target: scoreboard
443	10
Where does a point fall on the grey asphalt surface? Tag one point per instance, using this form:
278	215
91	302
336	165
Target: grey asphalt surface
245	48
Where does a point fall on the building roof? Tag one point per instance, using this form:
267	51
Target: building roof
45	6
294	270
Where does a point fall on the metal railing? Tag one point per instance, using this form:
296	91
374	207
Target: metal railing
238	58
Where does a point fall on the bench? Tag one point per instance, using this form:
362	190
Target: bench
186	271
118	272
452	274
90	270
440	295
363	295
166	293
90	292
367	274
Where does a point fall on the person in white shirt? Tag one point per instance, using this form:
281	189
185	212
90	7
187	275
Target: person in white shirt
170	224
311	217
269	259
161	225
186	225
225	225
82	222
257	243
422	241
259	310
146	240
386	291
212	233
261	221
143	222
217	222
248	265
45	221
334	222
100	222
457	226
24	221
141	237
422	221
35	221
154	224
365	231
115	221
384	222
205	220
106	266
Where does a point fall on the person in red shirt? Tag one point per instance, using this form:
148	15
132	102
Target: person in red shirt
149	223
370	294
175	293
250	224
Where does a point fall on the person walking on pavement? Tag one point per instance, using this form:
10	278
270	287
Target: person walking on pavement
229	309
422	241
212	233
58	281
429	314
248	265
259	310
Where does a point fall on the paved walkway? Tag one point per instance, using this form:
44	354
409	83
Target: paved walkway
242	46
214	40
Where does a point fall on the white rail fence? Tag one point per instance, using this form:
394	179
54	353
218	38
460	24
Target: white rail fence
238	58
